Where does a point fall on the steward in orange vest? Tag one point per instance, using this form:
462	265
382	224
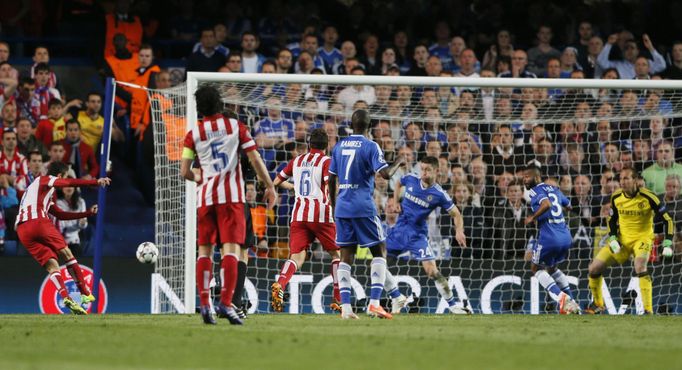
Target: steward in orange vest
146	77
122	66
122	22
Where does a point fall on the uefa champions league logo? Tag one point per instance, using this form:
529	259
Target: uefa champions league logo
51	302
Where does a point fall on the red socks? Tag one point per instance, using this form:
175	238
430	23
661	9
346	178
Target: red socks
204	276
58	281
228	277
335	279
77	276
288	270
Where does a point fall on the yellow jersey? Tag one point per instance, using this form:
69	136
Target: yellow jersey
91	130
632	218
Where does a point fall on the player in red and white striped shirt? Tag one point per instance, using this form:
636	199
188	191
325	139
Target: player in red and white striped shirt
216	143
312	215
42	239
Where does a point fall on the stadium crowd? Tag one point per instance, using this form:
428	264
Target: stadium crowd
580	138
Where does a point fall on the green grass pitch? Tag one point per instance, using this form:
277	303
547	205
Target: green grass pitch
326	342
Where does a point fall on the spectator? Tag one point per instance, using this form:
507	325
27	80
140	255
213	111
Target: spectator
540	54
585	35
467	64
12	163
553	68
92	123
233	64
35	169
4	57
641	153
220	33
511	235
42	55
501	47
674	70
504	156
626	67
655	175
27	103
590	64
284	61
296	47
8	85
121	22
581	201
310	47
53	128
79	155
44	93
388	60
457	45
441	48
370	56
349	95
673	203
348	52
403	59
69	199
569	62
8	114
206	59
420	55
55	154
26	141
273	132
251	59
474	219
518	66
328	52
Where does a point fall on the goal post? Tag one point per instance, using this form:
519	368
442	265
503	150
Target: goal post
491	275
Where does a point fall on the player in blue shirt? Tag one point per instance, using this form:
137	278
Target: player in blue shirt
355	160
422	195
553	241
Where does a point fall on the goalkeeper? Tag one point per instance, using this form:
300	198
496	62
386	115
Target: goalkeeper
631	230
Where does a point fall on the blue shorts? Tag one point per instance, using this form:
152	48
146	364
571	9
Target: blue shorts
549	254
403	239
360	231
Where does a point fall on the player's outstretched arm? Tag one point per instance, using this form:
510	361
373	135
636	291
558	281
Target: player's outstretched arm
397	192
459	227
544	207
258	165
65	183
388	172
64	215
286	185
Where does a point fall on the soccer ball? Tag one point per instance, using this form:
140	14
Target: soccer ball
147	252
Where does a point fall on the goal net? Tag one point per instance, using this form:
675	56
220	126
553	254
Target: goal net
581	133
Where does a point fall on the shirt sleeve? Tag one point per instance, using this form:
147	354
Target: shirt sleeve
188	151
378	161
246	142
325	170
658	63
603	58
287	171
332	164
446	202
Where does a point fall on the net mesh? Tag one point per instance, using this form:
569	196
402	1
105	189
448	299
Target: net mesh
580	138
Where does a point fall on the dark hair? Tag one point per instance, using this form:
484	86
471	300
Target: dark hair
145	45
360	121
40	46
610	70
249	33
41	67
32	153
635	173
27	81
8	130
57	168
55	143
283	50
430	160
319	139
358	68
269	62
73	202
234	53
91	93
72	122
209	101
53	102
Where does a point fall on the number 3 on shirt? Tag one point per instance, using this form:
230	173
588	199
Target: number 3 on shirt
218	155
350	153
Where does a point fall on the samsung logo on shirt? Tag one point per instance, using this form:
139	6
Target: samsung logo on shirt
416	200
351	144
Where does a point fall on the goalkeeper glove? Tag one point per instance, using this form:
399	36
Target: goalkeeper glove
614	245
667	248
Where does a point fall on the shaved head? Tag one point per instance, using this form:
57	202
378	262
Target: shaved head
360	121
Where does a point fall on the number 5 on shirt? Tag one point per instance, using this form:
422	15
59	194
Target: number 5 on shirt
218	155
